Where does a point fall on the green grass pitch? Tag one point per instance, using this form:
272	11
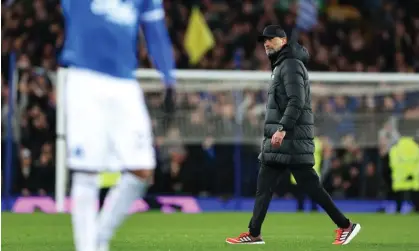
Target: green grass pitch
207	231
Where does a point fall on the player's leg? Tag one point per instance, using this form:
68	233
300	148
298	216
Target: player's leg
84	192
85	153
267	180
132	186
309	182
133	144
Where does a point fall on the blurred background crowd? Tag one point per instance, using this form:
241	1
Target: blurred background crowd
199	154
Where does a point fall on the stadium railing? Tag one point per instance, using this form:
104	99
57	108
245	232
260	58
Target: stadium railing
230	122
228	107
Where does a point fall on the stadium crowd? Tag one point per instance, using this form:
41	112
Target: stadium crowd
366	36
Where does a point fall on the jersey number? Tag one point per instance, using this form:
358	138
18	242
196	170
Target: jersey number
117	11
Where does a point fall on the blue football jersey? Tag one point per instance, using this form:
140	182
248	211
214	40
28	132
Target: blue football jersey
102	35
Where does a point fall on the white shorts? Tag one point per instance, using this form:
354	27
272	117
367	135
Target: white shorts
108	127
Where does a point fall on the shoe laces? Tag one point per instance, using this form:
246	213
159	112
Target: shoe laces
339	232
244	234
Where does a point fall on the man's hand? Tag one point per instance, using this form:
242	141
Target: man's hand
277	138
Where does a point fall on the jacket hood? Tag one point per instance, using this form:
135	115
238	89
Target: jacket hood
290	50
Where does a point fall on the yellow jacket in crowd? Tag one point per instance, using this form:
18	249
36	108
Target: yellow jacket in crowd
404	165
318	153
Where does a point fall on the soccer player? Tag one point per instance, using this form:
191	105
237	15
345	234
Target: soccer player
106	113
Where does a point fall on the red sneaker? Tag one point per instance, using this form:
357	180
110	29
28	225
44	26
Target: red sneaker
345	235
245	238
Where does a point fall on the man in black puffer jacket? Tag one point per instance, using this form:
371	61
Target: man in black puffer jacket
288	138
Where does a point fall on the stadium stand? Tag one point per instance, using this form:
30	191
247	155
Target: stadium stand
362	36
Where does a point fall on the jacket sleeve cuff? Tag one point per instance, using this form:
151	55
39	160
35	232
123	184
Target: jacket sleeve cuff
287	123
280	128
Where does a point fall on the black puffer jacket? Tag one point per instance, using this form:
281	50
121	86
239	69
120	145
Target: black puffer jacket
289	105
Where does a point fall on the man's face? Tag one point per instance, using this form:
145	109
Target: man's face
273	45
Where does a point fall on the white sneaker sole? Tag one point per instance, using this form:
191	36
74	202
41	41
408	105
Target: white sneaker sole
246	243
353	234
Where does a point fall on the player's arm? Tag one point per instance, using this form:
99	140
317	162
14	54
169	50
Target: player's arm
158	41
65	6
159	47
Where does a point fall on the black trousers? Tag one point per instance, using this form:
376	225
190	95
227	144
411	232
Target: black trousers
401	196
307	179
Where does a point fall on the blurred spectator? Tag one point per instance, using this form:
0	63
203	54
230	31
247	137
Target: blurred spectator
334	182
26	175
372	182
341	40
45	170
